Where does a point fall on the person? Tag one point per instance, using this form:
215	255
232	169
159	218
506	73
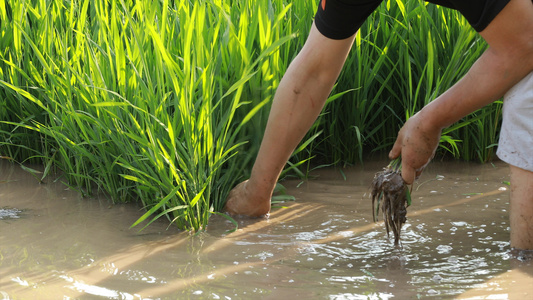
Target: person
506	26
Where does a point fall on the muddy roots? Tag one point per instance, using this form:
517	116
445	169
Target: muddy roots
389	190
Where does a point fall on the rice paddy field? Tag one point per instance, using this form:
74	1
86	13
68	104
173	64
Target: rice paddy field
56	244
163	103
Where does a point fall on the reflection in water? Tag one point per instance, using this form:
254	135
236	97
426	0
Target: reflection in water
9	213
324	246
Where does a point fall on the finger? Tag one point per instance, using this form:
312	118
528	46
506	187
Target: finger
408	174
396	149
418	172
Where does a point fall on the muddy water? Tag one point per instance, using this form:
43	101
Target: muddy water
322	246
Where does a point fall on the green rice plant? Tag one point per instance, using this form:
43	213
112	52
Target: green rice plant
481	137
405	55
139	99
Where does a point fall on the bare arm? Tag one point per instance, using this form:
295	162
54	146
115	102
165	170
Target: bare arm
508	59
299	99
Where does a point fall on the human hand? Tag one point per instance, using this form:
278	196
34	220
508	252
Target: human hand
242	201
416	143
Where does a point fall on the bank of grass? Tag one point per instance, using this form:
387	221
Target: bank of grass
164	102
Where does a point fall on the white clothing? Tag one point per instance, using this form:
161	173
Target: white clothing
516	136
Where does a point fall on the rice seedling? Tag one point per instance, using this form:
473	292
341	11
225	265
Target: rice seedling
392	193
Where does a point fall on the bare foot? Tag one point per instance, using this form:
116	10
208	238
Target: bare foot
241	202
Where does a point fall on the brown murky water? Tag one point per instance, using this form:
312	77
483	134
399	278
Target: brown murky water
323	246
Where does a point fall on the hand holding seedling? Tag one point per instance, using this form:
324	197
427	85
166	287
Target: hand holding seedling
416	143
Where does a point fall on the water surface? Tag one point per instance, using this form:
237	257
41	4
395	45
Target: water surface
322	246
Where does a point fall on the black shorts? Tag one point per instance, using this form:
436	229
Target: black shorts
339	19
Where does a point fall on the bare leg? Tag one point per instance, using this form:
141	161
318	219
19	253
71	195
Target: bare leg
521	209
299	99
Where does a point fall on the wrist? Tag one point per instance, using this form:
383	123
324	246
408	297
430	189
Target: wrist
259	190
429	121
